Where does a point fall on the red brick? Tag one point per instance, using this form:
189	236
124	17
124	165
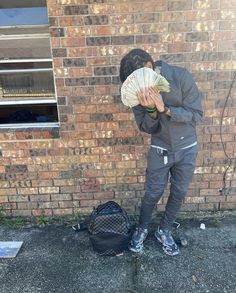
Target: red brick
91	188
38	212
4	199
18	198
85	109
89	203
103	134
104	195
208	207
69	189
48	205
202	4
155	28
209	191
74	72
73	42
48	190
26	205
39	198
79	196
194	199
102	9
127	179
4	184
227	4
81	135
201	15
62	212
27	191
228	205
103	30
231	198
205	47
24	213
41	182
110	158
126	164
83	210
205	66
7	191
215	199
220	36
179	47
66	204
227	14
55	10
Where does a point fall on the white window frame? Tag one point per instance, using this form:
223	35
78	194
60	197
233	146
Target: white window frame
28	100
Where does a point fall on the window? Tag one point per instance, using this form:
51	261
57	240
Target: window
27	91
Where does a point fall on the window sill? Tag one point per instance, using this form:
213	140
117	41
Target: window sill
29	131
25	101
28	125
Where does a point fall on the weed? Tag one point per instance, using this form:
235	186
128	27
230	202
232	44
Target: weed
12	222
20	221
2	218
78	218
134	219
42	220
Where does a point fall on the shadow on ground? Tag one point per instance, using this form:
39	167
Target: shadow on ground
57	259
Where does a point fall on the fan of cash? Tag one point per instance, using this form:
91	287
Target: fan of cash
139	80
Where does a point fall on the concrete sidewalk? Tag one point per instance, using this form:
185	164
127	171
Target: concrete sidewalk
57	259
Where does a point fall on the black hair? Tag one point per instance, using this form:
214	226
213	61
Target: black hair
135	59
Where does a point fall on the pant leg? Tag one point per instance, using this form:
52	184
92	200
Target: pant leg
181	175
156	180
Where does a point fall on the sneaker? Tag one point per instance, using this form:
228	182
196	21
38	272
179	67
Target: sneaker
136	243
168	244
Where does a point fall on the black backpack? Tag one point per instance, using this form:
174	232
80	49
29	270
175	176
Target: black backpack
109	229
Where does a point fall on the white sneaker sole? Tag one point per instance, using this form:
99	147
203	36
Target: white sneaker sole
135	249
165	247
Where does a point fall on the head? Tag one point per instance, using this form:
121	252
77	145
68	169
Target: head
135	59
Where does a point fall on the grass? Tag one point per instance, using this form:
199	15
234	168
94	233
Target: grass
2	218
77	218
21	221
16	222
42	220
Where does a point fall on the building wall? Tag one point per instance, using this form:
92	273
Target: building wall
98	154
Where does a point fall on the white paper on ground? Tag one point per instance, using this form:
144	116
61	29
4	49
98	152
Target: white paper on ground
9	249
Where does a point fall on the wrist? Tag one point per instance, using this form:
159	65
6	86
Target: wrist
153	115
165	110
151	110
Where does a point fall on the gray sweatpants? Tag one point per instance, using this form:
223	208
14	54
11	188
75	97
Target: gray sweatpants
180	167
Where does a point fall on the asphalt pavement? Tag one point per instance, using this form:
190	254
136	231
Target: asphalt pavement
56	259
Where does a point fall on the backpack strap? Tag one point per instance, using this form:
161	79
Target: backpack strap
83	226
106	205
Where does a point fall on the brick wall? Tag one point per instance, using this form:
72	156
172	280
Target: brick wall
98	154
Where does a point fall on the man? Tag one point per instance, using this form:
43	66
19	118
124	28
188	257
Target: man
171	120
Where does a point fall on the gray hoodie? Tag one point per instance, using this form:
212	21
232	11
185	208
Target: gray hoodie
184	100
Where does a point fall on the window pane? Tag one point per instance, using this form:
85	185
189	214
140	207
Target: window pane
22	3
22	85
23	16
25	65
26	48
28	114
7	32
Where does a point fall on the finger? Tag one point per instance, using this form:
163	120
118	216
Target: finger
156	97
154	91
153	95
141	98
157	100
